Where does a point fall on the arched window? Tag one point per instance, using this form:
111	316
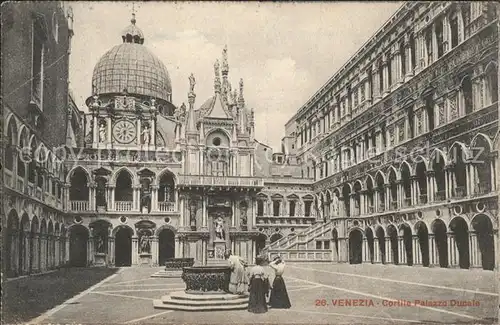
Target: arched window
406	181
422	182
11	142
123	190
491	79
439	176
166	193
466	95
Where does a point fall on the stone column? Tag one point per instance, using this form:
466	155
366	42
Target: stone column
432	250
364	251
233	214
401	250
417	256
154	250
388	251
135	250
204	212
407	48
452	251
154	197
177	246
376	251
254	213
376	82
181	212
474	251
66	257
110	197
90	250
111	250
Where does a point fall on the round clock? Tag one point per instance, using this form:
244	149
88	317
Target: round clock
124	131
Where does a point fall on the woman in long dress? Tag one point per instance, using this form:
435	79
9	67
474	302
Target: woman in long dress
259	288
238	282
279	296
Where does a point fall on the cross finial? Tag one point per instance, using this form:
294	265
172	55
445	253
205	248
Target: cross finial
133	14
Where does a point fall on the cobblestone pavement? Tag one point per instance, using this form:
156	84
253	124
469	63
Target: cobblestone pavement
318	293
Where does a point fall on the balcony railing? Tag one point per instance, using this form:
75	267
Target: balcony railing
77	205
482	189
381	207
406	202
440	196
166	206
123	205
199	180
459	192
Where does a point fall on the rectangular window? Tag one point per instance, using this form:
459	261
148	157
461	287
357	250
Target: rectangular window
307	208
428	46
326	244
292	209
370	84
402	52
276	208
260	208
454	31
389	70
412	52
439	38
318	245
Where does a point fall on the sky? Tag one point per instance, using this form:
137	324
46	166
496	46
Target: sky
284	52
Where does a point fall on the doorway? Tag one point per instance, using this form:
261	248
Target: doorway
123	247
78	238
167	246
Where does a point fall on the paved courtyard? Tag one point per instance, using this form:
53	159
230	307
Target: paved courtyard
316	291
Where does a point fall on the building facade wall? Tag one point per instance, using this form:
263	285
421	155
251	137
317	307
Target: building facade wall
400	141
34	232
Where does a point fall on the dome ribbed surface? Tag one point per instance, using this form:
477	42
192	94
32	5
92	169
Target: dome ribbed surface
132	67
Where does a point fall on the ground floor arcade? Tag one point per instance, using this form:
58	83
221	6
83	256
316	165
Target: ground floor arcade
456	245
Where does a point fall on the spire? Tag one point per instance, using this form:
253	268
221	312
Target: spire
190	120
241	100
191	123
217	77
225	64
225	72
133	14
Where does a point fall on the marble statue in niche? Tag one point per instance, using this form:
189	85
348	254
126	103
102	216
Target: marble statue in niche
102	132
145	242
219	228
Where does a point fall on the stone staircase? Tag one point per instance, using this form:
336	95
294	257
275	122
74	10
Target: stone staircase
301	243
180	300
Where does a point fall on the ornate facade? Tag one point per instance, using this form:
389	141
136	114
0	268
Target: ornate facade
392	161
139	180
400	143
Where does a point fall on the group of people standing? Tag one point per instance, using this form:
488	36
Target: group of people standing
256	282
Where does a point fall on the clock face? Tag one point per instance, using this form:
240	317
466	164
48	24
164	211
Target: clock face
124	131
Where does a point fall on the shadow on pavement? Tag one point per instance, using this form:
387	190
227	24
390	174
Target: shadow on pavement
26	298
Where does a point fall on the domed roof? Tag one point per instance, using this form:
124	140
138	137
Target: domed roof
131	67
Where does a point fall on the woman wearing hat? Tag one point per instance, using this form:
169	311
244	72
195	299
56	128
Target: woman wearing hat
259	288
279	296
